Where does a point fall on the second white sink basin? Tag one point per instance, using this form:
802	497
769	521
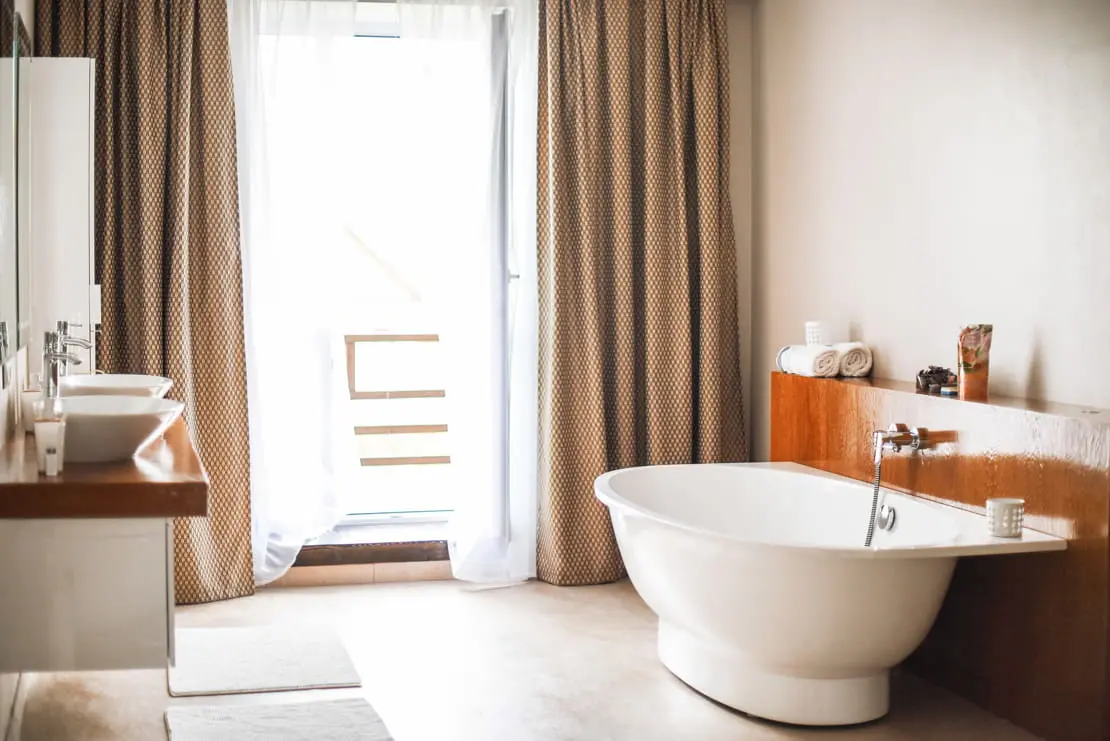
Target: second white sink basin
100	429
114	384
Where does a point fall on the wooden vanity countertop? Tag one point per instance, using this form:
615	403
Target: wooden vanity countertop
166	479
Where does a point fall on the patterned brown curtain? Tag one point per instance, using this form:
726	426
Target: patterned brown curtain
8	32
639	349
167	241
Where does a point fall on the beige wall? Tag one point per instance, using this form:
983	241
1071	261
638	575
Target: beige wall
924	164
740	16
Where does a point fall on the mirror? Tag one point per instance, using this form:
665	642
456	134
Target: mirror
23	68
15	48
15	45
9	279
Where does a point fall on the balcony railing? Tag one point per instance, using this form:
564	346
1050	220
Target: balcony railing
399	408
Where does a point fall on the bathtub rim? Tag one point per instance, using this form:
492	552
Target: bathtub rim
972	538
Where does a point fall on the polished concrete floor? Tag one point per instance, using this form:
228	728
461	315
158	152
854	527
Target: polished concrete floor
444	662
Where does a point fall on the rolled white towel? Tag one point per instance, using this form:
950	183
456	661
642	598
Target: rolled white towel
854	359
809	360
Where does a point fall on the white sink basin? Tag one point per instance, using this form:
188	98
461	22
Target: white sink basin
100	429
114	384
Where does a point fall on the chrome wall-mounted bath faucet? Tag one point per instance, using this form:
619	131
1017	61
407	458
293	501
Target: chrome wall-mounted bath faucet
893	438
898	435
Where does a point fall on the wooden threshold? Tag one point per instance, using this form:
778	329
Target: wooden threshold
365	553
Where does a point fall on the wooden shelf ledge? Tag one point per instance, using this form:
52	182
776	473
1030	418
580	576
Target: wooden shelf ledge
166	479
1037	406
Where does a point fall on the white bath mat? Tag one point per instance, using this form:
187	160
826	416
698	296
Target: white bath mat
335	720
228	661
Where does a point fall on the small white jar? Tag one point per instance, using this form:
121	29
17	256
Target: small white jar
815	334
1005	517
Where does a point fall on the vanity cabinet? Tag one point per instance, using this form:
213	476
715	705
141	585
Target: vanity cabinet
87	581
85	594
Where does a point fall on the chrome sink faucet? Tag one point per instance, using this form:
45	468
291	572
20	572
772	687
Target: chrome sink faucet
3	355
54	358
65	341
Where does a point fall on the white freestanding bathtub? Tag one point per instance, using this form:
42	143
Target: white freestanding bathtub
767	600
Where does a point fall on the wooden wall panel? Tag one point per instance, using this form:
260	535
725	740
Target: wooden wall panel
1025	637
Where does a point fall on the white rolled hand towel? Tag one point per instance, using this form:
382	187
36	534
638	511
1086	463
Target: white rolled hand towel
809	360
853	358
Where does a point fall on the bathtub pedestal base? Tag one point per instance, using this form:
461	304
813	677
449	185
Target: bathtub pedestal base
724	677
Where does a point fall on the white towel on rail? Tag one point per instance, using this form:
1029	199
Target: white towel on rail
854	359
809	360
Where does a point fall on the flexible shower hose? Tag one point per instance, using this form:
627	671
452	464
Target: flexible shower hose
874	502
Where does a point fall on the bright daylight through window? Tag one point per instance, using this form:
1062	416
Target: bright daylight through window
392	193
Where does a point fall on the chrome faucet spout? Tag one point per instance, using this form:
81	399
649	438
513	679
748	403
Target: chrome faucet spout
53	360
66	341
4	355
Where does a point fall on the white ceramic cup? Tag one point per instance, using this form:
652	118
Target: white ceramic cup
1005	517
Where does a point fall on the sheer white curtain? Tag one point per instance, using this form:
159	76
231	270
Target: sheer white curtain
482	203
285	56
421	151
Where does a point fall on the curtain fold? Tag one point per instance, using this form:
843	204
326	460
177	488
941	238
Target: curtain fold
167	242
293	67
639	346
483	196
